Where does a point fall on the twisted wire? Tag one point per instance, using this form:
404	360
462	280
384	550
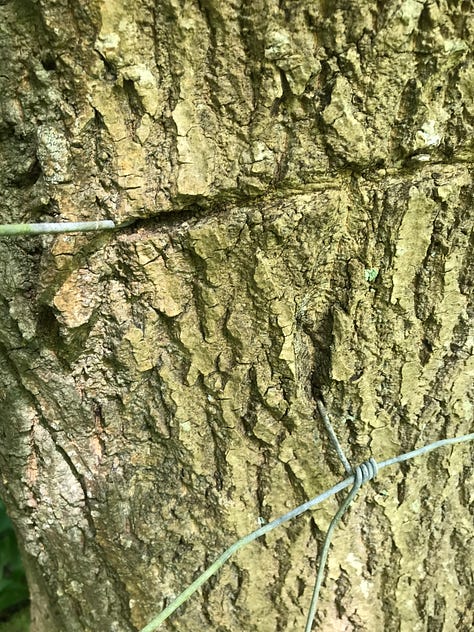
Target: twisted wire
363	473
333	437
250	537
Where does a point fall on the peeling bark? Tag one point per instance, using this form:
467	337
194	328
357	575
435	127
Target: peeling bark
293	182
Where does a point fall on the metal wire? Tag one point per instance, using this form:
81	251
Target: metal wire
238	545
158	620
363	473
333	437
10	230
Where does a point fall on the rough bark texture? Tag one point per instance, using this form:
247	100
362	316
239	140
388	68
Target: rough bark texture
298	178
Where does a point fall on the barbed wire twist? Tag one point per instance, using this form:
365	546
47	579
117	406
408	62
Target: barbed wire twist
258	533
364	472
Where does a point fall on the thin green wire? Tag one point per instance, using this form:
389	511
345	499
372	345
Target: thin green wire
424	449
12	230
333	437
174	605
324	553
180	599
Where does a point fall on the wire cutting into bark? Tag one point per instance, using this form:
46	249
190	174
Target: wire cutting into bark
13	230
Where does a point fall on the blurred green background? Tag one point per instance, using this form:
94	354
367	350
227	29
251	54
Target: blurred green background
14	615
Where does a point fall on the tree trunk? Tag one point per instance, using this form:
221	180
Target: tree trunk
292	184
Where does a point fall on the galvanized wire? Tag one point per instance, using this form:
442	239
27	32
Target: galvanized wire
13	230
363	473
333	437
180	599
158	620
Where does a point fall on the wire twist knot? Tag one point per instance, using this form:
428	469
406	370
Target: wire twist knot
366	471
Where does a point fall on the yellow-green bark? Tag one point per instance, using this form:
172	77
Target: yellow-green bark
294	182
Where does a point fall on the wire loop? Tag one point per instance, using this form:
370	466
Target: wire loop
371	468
368	470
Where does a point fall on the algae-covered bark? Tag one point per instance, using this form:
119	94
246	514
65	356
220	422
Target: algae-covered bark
293	186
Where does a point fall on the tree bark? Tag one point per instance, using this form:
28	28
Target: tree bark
293	187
